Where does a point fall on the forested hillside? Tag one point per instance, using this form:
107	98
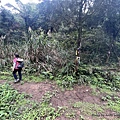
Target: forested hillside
91	25
66	45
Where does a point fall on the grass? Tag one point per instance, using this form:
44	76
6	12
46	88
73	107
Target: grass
88	108
96	111
15	106
9	77
110	96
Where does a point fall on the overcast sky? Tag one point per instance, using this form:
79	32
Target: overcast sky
3	2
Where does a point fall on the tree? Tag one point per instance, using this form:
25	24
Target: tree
107	17
7	23
111	24
28	13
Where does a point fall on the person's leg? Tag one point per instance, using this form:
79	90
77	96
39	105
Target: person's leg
14	74
20	74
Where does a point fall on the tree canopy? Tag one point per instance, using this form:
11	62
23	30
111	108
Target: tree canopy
90	25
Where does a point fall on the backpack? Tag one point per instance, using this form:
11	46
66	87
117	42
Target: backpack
20	63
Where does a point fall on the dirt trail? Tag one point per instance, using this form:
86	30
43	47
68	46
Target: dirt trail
60	98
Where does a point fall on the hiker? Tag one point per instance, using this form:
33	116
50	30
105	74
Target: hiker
17	68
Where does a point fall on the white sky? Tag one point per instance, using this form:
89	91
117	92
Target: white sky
3	2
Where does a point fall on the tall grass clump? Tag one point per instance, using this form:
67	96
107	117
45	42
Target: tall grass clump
40	53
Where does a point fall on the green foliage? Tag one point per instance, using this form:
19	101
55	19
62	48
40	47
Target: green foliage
48	75
14	105
88	108
51	56
88	74
113	102
65	21
6	21
40	54
9	100
66	81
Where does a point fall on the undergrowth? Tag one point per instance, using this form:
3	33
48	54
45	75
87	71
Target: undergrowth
67	77
87	74
18	106
14	105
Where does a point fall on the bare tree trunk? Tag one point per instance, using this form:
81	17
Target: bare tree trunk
79	40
